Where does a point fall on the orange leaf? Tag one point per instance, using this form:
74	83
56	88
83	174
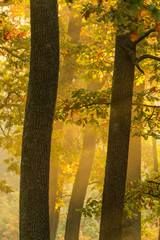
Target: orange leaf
133	36
25	98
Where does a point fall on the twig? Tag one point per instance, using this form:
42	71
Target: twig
13	54
3	131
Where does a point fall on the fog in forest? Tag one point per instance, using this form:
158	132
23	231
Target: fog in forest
79	141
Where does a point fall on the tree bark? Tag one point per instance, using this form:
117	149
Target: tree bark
41	98
118	140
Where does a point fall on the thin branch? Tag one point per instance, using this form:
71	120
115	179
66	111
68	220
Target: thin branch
152	106
147	56
93	183
149	181
144	36
6	104
3	131
138	67
13	54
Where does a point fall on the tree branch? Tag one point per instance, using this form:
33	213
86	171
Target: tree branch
151	106
149	181
3	131
138	67
144	36
13	54
147	56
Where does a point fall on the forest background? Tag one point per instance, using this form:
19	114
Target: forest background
86	69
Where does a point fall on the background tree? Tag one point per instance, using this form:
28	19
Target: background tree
65	84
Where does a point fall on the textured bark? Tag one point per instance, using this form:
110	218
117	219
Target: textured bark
118	141
80	186
65	84
41	97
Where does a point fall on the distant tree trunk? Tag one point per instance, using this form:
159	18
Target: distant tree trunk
132	227
155	159
156	167
118	140
81	179
41	98
65	83
69	65
80	185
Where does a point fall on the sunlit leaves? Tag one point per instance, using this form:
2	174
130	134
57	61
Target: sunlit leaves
141	195
4	187
84	103
124	14
90	106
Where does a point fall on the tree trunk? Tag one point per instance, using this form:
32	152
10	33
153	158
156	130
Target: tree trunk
132	227
41	98
118	141
155	159
81	178
65	83
80	185
156	168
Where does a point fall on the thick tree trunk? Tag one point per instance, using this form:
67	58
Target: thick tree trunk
65	83
118	141
42	91
80	186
